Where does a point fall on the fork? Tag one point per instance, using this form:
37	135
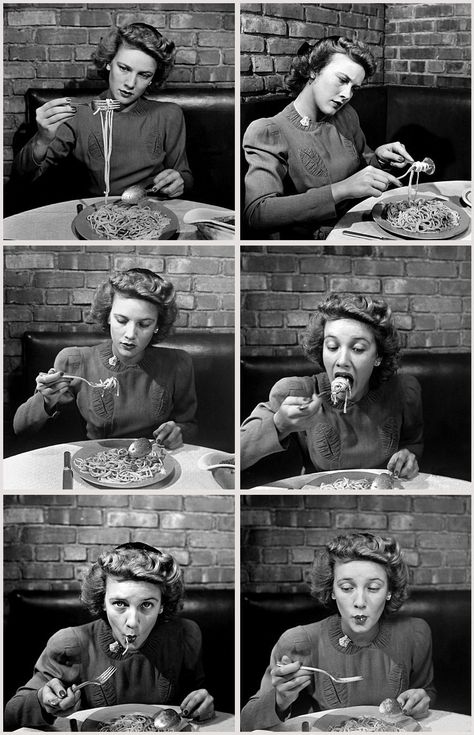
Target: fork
99	680
337	679
78	377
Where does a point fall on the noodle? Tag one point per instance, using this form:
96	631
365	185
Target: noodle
116	466
346	484
131	723
106	111
423	215
128	223
365	724
340	386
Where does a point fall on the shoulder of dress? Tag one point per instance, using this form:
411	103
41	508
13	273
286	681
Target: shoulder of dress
159	107
261	128
172	355
290	384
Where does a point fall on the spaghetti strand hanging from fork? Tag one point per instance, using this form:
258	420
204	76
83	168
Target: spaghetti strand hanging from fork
106	108
425	166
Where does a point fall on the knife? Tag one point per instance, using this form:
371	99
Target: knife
67	472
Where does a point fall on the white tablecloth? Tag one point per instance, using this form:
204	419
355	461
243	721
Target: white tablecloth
423	481
359	217
53	222
42	469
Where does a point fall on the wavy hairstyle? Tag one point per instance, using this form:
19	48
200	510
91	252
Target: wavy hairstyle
140	36
137	283
361	547
312	59
375	313
140	563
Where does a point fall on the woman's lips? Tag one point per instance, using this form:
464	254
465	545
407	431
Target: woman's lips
127	345
360	619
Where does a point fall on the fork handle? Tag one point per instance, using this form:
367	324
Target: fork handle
86	683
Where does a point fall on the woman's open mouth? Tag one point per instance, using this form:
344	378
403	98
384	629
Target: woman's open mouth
127	345
125	94
347	376
360	619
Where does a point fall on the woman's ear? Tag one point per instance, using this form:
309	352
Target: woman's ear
377	361
107	66
333	596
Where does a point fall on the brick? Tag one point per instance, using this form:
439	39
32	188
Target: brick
209	504
157	502
56	70
57	314
279	573
361	285
31	18
75	553
81	262
275	556
58	279
17	552
61	36
273	537
295	283
23	515
356	520
263	25
215	39
385	503
25	296
131	519
253	518
281	302
409	522
47	553
442	504
443	541
48	571
186	521
48	535
108	536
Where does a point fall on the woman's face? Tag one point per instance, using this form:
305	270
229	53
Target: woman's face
360	589
132	322
335	84
132	609
350	350
131	71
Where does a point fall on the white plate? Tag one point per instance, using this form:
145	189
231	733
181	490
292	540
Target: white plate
466	197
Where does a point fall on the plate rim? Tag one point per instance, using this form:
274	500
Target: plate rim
376	214
146	482
170	230
131	707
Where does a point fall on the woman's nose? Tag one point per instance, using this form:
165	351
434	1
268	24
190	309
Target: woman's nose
343	357
130	329
130	81
132	619
359	599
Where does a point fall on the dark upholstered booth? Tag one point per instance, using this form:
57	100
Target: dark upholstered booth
33	616
429	121
264	617
209	116
445	381
213	360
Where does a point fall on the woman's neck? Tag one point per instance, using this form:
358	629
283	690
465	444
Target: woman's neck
305	105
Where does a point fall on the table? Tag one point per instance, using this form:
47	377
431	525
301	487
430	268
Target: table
222	722
53	222
437	720
41	469
423	481
359	218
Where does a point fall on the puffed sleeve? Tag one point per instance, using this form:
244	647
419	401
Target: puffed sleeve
175	145
421	674
266	207
258	435
31	416
260	712
25	166
61	659
411	434
184	396
192	675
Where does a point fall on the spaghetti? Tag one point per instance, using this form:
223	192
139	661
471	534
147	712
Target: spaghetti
113	222
345	483
133	722
340	391
422	215
115	466
365	724
106	108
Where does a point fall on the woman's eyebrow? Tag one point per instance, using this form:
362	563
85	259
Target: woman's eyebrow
350	579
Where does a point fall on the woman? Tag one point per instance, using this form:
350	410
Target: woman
149	138
308	164
135	592
365	578
378	424
152	392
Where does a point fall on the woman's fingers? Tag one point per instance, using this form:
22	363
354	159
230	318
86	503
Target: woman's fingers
169	182
199	705
169	434
403	464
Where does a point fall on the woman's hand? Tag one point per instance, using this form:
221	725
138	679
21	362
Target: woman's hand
48	119
169	434
54	389
169	182
394	154
414	702
403	464
198	705
58	701
368	182
288	681
295	414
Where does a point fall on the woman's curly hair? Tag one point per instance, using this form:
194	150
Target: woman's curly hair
137	283
140	563
375	313
140	36
361	547
312	59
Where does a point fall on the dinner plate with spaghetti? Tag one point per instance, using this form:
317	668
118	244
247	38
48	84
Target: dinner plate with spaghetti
342	480
107	463
137	718
426	217
364	718
116	220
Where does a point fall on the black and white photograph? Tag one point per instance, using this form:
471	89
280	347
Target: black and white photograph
119	368
355	613
356	368
356	121
122	606
119	121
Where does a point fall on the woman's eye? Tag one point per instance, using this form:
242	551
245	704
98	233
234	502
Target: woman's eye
346	589
358	348
147	605
374	589
119	603
120	320
331	346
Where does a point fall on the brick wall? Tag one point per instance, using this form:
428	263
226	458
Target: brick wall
281	533
428	288
50	46
51	539
428	44
272	33
51	287
414	44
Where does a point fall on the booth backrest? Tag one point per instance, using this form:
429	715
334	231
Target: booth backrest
212	354
429	121
446	394
264	617
209	116
33	616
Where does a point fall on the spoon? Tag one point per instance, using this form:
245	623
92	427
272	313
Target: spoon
140	448
210	216
137	192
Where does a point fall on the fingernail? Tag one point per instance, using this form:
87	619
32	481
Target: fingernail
54	703
68	99
62	693
185	712
73	109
